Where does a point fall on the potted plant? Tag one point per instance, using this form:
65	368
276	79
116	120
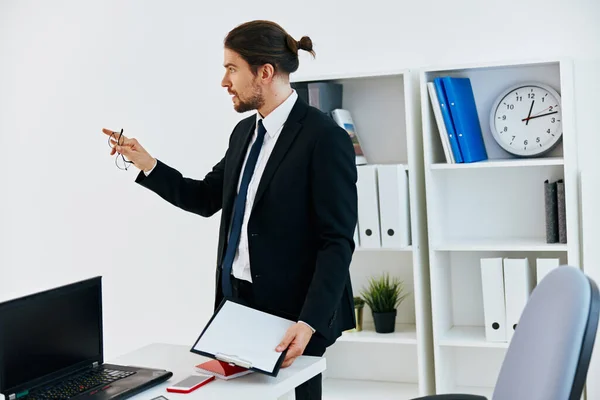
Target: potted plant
359	305
383	296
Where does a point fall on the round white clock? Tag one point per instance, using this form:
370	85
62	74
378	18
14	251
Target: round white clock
526	119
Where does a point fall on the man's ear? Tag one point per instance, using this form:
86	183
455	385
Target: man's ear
266	73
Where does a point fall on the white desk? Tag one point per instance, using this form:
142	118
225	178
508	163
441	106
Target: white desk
254	386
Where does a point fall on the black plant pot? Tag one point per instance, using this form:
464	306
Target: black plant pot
385	322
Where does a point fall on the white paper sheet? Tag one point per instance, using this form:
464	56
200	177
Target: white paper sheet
245	333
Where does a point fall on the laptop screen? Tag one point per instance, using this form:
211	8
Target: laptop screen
50	332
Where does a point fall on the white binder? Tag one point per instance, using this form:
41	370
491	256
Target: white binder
518	283
545	265
441	125
394	205
368	207
494	308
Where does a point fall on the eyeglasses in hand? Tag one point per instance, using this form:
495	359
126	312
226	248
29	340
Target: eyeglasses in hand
114	140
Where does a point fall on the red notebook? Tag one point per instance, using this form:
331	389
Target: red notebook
221	370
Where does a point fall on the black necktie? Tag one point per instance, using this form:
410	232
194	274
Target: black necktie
238	211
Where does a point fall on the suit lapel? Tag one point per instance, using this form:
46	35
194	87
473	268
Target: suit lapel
289	132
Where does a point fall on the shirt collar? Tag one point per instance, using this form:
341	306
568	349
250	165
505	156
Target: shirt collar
275	120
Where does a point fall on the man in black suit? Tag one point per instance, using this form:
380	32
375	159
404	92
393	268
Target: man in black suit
287	191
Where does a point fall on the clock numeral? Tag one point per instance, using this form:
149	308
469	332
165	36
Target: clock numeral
553	120
510	106
548	131
537	140
525	142
506	129
504	118
519	98
531	95
550	108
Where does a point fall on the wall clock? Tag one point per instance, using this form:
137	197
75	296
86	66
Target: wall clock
526	119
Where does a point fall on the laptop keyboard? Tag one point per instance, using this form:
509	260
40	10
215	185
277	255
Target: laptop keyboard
77	384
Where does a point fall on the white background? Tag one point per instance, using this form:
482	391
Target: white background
70	68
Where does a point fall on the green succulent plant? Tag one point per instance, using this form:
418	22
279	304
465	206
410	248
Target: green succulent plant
384	294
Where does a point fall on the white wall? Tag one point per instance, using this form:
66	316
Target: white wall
70	68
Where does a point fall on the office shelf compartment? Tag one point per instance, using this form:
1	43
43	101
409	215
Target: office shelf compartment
458	295
373	362
377	104
490	207
488	81
469	370
397	265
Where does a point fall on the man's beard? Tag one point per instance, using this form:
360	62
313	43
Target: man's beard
255	101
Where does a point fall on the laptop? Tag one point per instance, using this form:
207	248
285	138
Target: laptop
51	348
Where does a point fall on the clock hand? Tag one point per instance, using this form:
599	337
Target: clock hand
541	111
537	116
529	115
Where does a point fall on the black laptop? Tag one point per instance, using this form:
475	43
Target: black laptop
51	348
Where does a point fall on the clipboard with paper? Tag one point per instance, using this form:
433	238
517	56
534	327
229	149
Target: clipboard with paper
243	336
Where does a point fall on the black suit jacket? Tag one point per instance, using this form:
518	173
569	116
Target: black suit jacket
301	226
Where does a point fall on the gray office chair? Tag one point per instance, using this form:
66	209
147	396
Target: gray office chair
550	351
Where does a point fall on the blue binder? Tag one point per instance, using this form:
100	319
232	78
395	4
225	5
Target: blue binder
441	94
461	104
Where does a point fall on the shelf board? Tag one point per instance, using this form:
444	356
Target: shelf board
404	334
517	244
353	389
407	249
469	336
503	163
337	76
466	66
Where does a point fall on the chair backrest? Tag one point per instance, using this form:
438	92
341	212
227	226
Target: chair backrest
550	351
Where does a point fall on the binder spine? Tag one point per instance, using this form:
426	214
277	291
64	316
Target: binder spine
551	211
561	211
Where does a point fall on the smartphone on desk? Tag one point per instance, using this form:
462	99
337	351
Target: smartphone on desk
190	383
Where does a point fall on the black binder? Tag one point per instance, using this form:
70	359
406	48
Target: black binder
551	211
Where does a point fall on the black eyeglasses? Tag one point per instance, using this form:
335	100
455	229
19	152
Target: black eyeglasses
114	139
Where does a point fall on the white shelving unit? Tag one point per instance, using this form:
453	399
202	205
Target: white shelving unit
493	208
360	365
